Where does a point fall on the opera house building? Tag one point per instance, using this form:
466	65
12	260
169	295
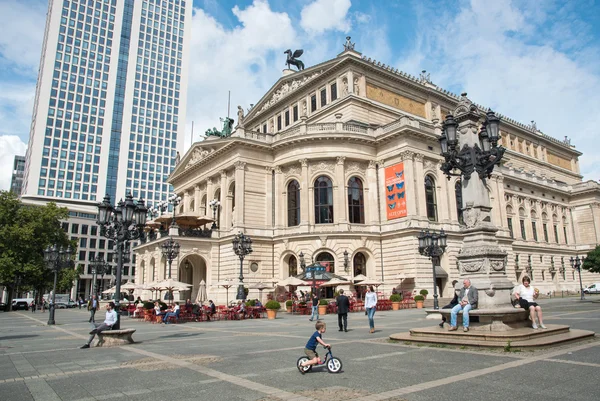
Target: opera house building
339	164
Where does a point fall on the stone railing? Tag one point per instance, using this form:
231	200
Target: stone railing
355	128
321	127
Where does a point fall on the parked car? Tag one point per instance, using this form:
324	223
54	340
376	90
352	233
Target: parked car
592	289
20	305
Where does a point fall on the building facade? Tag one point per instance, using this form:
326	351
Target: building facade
109	108
344	157
16	182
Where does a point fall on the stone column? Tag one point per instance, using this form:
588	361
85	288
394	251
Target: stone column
340	209
305	194
443	193
197	199
240	193
186	201
419	178
410	180
382	209
350	76
371	194
224	221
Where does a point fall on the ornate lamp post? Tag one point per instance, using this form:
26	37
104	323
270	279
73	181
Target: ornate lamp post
242	246
480	158
170	250
174	200
56	259
433	246
346	261
576	264
122	223
214	205
99	267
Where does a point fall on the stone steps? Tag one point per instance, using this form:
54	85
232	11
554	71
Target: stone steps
521	337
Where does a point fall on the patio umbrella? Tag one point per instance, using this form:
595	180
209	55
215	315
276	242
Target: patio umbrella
260	287
334	282
172	285
201	296
110	290
152	287
373	282
292	281
130	286
360	277
227	284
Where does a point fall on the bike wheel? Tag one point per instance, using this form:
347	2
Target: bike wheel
334	365
304	359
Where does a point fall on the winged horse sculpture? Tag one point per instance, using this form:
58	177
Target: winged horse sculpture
292	58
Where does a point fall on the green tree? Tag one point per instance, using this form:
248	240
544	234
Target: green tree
25	231
592	261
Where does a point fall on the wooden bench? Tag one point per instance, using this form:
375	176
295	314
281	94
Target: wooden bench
115	338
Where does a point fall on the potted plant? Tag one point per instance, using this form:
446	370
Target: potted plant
288	305
323	306
424	293
396	300
419	300
272	307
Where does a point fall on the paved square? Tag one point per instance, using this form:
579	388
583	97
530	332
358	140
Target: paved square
255	360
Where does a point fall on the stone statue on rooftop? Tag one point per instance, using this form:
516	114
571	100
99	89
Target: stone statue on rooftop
348	45
292	59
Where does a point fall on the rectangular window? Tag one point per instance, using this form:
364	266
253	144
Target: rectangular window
84	229
287	118
83	242
534	230
264	128
523	230
510	227
279	122
565	234
313	103
545	227
295	113
556	233
323	97
333	89
75	229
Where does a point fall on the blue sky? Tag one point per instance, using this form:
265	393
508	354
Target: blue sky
530	60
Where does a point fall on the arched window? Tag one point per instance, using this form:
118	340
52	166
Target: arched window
356	202
360	264
293	203
203	209
458	197
430	201
293	266
323	200
326	259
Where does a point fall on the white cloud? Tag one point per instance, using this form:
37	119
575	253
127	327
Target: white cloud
22	25
323	15
10	145
493	51
247	60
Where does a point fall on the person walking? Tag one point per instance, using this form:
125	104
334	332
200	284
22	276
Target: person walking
315	305
92	307
343	305
370	306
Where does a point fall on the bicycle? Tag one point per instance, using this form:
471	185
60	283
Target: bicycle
334	365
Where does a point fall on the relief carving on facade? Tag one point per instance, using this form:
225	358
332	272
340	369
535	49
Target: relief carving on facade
323	239
303	162
239	165
340	159
429	165
357	167
285	89
419	157
277	169
292	171
407	155
470	266
197	155
322	165
372	163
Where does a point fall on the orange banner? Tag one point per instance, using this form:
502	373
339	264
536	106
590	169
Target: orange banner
395	191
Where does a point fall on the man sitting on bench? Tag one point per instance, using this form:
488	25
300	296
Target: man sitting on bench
109	321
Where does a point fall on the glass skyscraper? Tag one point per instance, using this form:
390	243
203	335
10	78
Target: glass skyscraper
109	108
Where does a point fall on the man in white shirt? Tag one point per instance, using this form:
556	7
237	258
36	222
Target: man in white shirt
109	321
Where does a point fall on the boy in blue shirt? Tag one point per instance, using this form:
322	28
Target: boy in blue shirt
311	346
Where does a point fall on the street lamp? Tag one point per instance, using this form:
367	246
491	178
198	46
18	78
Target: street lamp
476	158
174	200
56	259
214	205
346	261
122	223
242	246
170	250
433	246
158	209
99	267
576	264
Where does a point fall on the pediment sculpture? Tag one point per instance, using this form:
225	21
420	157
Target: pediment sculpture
286	88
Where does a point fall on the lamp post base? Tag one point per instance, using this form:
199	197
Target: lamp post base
241	294
51	316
